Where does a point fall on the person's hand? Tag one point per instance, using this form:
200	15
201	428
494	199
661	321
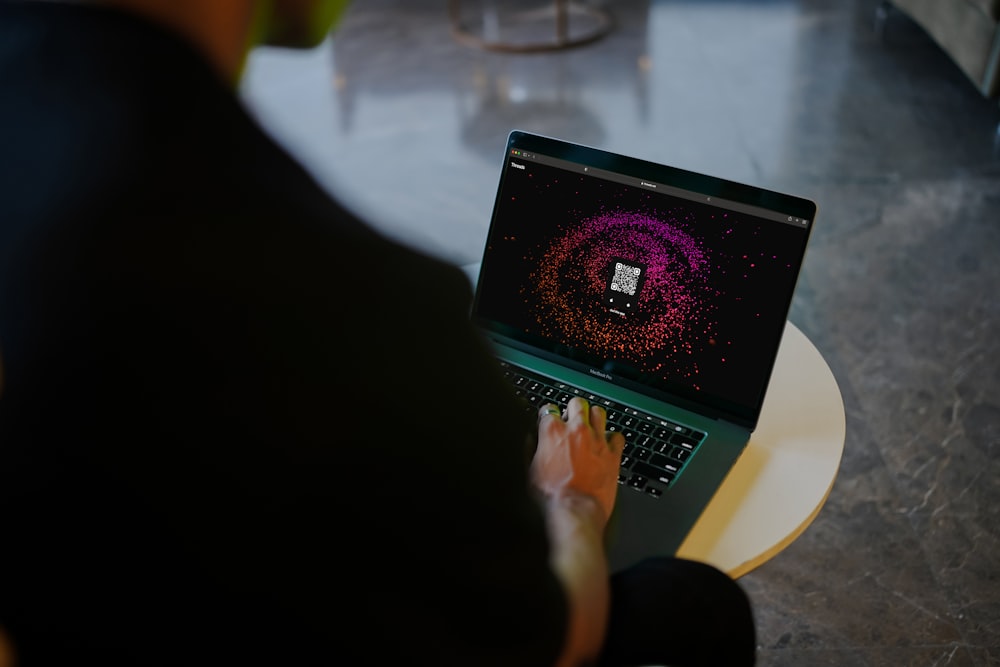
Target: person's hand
576	455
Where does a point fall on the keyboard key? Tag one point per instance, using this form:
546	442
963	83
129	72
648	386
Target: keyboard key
664	462
637	481
649	471
684	441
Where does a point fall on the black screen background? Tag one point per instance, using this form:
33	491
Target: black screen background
739	296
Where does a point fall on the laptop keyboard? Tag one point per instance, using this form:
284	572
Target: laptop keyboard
656	450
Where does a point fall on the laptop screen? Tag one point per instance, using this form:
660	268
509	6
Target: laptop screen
670	282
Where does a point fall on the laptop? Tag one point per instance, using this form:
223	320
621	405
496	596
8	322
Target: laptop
659	293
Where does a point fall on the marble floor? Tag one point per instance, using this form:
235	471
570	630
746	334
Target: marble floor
899	291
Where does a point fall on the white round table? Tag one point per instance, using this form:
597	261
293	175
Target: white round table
782	479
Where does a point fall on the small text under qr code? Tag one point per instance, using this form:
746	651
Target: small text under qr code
626	278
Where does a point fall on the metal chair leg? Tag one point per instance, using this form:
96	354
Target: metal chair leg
882	12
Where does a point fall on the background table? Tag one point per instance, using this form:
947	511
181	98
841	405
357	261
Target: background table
782	479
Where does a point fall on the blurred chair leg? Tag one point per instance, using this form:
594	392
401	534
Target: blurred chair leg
996	140
882	13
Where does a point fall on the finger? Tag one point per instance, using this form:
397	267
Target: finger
578	411
616	442
598	417
549	411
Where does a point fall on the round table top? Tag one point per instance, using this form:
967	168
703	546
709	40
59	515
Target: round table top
782	479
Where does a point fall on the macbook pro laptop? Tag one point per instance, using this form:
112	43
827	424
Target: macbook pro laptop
659	293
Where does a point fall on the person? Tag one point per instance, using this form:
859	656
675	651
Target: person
238	426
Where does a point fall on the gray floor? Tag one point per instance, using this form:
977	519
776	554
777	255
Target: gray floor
899	291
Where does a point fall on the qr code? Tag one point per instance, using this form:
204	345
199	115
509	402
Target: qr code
626	278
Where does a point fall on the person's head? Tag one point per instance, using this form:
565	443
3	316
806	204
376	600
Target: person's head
225	30
296	23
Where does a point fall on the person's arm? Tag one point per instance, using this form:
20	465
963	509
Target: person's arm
6	650
576	469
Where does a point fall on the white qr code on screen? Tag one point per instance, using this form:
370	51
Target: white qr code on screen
626	278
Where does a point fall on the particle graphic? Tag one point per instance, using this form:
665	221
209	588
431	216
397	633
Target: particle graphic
584	274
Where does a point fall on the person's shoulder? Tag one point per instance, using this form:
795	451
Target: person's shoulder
100	103
116	119
134	145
